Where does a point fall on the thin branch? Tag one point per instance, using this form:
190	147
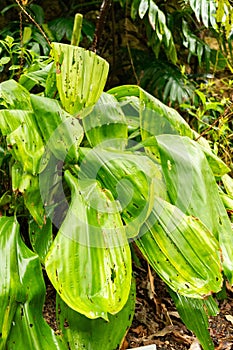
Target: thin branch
22	8
215	122
105	6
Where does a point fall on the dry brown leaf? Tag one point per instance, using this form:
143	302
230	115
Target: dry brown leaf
166	330
174	314
195	345
229	318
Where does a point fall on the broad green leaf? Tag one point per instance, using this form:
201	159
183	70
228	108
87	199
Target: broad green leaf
41	238
155	117
22	293
81	332
130	178
181	250
62	133
81	76
10	280
192	188
194	313
26	144
14	96
11	119
23	138
106	124
95	279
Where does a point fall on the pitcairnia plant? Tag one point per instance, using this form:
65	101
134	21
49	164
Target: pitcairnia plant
84	173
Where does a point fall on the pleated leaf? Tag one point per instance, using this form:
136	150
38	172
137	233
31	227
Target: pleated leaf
81	332
62	133
129	177
106	124
181	250
81	76
89	262
14	96
194	313
192	188
22	293
26	146
155	117
10	281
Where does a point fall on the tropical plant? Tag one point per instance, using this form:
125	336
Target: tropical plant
85	173
188	39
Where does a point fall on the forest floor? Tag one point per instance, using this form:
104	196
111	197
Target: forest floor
156	320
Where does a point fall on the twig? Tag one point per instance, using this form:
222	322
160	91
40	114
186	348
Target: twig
214	123
21	44
105	6
22	8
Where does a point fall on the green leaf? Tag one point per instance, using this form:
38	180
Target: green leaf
4	60
228	184
10	282
25	142
22	293
81	76
61	132
218	167
143	7
194	313
38	13
14	96
106	124
181	250
95	280
35	77
10	120
62	28
155	117
129	176
27	32
41	238
81	332
161	32
192	188
205	11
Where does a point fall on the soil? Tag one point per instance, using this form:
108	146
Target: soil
156	320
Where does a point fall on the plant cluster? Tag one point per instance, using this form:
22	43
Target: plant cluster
87	176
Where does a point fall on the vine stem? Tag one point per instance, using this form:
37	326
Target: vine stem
22	8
